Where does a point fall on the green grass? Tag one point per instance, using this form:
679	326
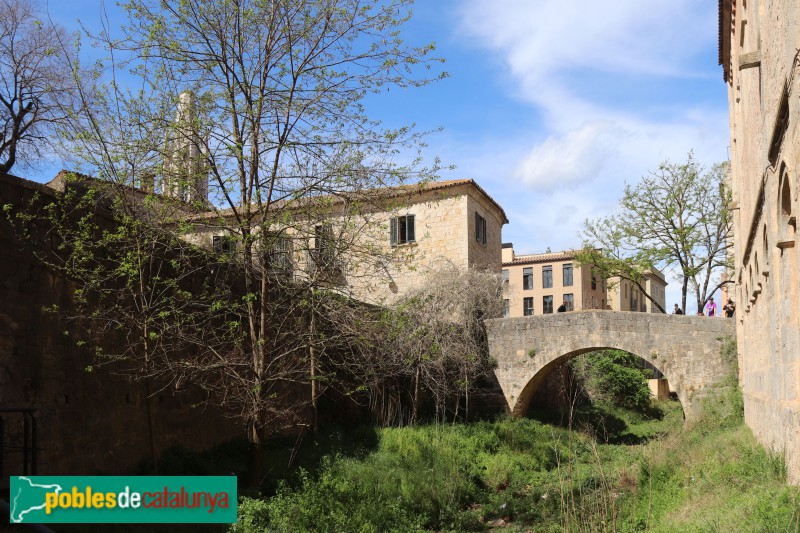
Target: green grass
710	476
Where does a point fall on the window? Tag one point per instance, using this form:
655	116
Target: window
506	310
527	306
547	277
223	244
280	254
480	228
570	302
594	282
527	279
568	275
323	254
323	239
634	300
548	305
505	276
401	230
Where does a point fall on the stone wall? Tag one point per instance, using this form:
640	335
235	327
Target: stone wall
88	422
685	349
759	43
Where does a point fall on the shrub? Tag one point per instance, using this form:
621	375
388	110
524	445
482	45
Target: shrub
614	378
252	515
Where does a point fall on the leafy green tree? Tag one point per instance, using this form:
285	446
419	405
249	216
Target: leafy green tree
675	217
279	129
146	303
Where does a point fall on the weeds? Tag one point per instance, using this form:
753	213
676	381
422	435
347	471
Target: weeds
606	468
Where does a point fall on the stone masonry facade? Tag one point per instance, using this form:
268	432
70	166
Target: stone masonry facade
760	55
445	216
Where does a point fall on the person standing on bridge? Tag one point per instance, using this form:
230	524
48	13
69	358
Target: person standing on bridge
677	310
729	309
711	307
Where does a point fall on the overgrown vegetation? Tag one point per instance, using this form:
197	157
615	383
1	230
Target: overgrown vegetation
613	378
527	475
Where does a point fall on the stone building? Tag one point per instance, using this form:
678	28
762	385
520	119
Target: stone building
624	295
759	50
390	244
185	175
373	245
538	284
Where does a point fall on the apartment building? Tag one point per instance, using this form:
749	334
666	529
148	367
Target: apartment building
625	295
538	284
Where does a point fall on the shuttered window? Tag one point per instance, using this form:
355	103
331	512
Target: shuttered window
480	228
401	230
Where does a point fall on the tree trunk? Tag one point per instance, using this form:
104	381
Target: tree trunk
684	290
313	371
151	433
256	437
416	406
148	402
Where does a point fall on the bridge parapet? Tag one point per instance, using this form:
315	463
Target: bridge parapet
686	349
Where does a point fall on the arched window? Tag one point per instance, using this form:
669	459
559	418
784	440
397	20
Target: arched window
786	198
755	262
786	219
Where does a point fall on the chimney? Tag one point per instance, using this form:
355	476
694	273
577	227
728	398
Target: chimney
508	252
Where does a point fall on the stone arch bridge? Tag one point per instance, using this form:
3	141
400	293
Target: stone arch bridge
686	349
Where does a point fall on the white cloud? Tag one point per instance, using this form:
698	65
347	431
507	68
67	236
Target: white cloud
653	37
554	52
567	160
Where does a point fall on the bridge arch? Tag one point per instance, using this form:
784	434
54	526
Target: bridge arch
529	390
685	349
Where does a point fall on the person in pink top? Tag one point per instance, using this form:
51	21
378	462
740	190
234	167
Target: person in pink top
711	308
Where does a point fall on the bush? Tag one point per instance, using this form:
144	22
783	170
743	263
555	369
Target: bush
614	378
252	515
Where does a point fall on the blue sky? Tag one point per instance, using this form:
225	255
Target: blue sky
552	105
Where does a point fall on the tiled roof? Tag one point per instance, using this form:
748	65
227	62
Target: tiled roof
435	185
58	184
388	192
543	258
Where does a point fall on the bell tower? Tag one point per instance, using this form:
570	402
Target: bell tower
185	174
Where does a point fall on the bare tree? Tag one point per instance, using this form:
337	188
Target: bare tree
430	346
36	83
